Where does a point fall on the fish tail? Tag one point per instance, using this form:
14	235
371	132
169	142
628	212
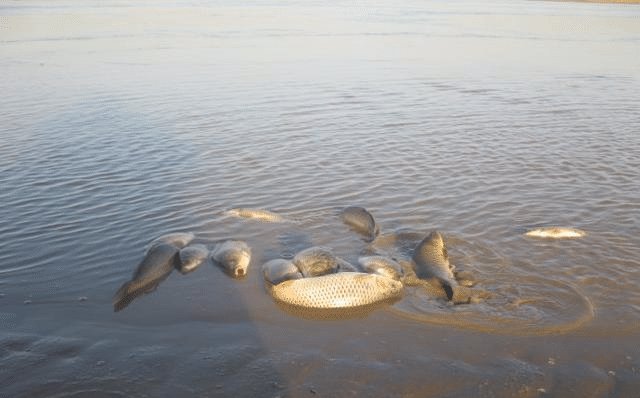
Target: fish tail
448	289
123	297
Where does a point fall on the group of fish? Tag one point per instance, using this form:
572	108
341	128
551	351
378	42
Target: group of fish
315	278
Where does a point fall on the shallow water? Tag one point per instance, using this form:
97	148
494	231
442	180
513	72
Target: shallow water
120	123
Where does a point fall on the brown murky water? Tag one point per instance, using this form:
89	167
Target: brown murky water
122	122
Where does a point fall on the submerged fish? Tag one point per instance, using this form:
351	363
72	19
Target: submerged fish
191	257
280	270
153	269
341	290
234	257
361	221
555	233
316	261
177	239
257	214
382	266
345	266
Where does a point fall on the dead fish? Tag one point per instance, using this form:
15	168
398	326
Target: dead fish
341	290
177	239
555	233
233	256
316	261
382	266
280	270
155	267
191	257
361	221
257	214
345	266
432	261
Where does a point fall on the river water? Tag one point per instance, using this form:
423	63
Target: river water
125	121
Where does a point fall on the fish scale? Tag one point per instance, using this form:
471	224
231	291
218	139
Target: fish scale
342	290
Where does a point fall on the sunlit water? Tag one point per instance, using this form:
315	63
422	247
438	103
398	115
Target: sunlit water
480	119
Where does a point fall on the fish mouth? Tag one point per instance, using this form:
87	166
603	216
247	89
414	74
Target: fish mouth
240	272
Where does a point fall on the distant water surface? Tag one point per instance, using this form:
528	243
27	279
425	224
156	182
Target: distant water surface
123	121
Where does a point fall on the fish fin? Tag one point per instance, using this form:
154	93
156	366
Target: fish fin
448	289
128	292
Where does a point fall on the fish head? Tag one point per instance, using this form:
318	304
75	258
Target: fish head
191	257
386	284
278	270
236	262
232	212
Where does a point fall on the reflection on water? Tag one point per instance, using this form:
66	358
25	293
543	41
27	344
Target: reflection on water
126	121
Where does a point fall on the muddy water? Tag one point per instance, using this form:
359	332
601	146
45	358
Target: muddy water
480	119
